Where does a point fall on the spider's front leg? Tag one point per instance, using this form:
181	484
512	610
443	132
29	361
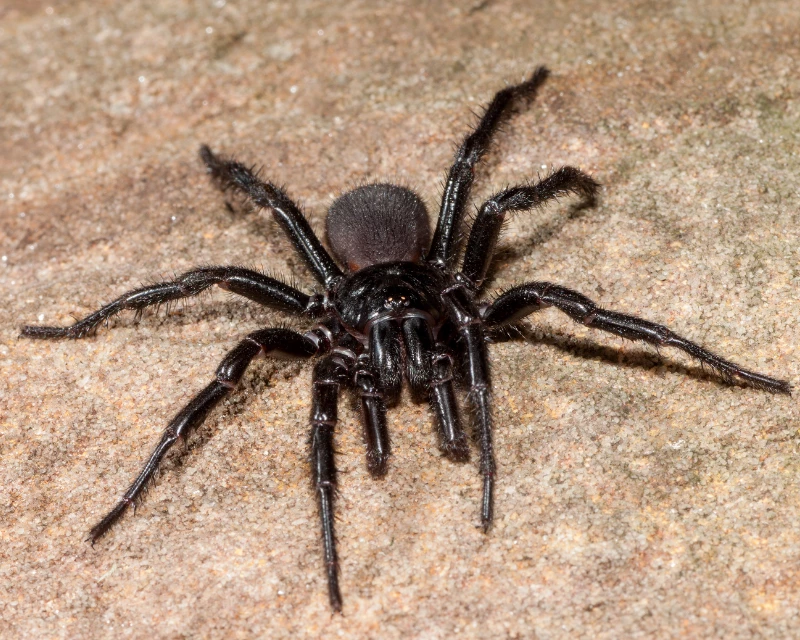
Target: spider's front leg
428	369
520	301
452	441
281	342
373	411
329	375
244	282
464	313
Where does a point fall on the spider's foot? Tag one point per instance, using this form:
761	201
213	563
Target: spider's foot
377	464
207	156
760	381
537	79
215	166
487	505
45	333
335	599
100	529
456	450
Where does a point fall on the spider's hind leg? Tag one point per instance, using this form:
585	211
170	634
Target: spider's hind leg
462	172
231	174
520	301
245	282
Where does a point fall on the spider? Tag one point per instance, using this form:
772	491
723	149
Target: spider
394	306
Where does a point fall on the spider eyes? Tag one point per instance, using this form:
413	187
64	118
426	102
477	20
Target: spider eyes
394	302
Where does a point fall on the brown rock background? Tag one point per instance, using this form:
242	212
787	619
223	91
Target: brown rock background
638	497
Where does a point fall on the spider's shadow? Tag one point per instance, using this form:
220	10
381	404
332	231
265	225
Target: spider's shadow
639	358
251	389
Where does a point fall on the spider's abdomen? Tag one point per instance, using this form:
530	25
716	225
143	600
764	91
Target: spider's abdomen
394	290
377	223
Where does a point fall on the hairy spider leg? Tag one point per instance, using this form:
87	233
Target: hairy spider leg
471	333
479	396
245	282
486	229
462	172
234	175
520	301
281	342
379	379
330	374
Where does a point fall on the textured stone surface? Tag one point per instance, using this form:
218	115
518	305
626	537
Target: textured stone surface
638	497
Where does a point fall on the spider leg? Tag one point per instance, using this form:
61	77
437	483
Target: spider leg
429	370
452	441
534	296
265	195
486	230
279	342
473	342
330	374
462	172
373	410
245	282
479	396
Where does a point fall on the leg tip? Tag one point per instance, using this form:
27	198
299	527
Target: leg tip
95	533
540	73
334	595
377	464
456	450
208	157
100	529
487	503
44	333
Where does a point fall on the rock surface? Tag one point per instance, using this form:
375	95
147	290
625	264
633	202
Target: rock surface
638	497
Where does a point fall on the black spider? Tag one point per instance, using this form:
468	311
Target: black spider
402	308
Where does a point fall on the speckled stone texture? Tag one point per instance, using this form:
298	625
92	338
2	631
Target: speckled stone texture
638	497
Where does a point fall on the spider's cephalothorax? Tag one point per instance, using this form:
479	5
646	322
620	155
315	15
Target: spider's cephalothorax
403	309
